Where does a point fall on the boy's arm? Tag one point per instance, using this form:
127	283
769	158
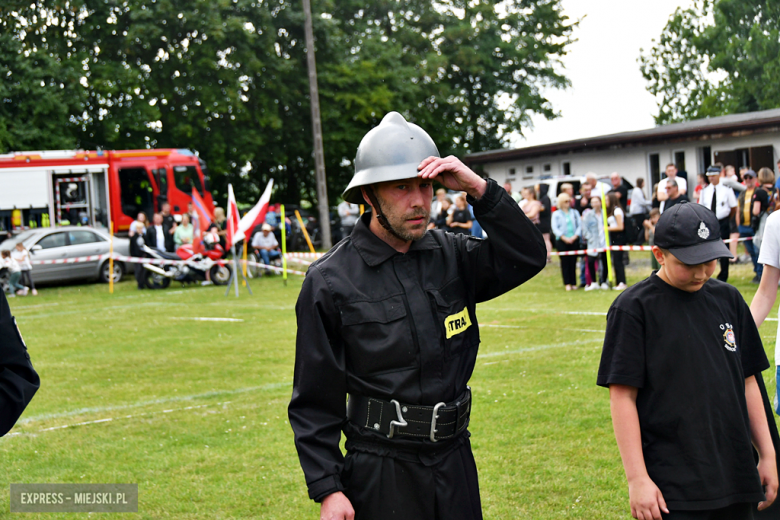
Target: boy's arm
759	431
645	498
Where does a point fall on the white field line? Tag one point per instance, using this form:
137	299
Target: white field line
91	312
206	319
110	419
14	307
543	311
174	399
531	327
540	347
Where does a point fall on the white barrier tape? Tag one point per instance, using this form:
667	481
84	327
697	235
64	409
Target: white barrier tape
623	248
313	256
92	258
272	267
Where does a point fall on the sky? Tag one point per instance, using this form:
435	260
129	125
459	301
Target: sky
608	93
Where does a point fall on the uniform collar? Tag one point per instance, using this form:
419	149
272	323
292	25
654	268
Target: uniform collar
374	250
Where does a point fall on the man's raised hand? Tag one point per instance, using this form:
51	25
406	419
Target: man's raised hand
453	174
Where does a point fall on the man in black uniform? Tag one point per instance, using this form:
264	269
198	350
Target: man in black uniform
388	318
18	379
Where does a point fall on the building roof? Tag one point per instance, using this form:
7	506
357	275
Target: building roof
699	129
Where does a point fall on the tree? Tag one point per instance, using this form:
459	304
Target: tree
716	58
227	78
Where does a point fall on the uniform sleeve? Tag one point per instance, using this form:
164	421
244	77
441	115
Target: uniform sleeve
751	349
623	355
513	253
18	379
317	410
769	253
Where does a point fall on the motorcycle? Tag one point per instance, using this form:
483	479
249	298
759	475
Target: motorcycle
191	266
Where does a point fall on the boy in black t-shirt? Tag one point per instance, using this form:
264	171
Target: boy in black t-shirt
680	357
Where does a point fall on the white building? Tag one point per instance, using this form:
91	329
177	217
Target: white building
751	139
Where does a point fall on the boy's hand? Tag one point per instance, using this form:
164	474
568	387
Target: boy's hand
767	471
646	500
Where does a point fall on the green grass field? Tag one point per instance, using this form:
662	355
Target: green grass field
194	412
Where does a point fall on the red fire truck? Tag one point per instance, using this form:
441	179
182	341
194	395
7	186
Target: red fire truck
50	188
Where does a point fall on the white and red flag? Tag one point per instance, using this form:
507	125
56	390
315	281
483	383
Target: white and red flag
233	219
256	215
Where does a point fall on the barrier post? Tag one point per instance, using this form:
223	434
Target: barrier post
606	236
305	231
111	258
284	246
243	264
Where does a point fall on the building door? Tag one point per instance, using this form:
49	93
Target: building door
762	157
654	165
726	157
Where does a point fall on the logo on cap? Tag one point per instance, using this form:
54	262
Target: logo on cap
704	232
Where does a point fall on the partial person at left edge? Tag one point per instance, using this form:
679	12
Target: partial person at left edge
18	379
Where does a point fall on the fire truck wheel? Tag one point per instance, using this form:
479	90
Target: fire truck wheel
118	272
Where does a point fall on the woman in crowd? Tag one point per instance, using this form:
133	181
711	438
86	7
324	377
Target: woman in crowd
184	232
221	221
22	257
138	226
593	233
530	206
459	221
655	203
545	216
567	228
639	208
13	268
439	221
616	224
702	182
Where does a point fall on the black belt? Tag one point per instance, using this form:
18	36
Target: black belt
442	421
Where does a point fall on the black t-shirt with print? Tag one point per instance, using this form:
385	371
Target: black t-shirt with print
462	216
689	355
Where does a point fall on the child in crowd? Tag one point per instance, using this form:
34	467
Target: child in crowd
649	225
16	272
680	359
22	257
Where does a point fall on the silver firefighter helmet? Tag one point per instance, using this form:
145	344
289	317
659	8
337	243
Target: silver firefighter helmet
389	152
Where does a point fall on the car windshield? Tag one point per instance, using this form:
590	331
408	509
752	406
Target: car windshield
24	236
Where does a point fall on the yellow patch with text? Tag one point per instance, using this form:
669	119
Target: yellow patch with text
457	323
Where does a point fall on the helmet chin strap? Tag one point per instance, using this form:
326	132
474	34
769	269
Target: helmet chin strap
379	215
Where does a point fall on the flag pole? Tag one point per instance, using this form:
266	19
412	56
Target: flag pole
284	246
235	270
243	264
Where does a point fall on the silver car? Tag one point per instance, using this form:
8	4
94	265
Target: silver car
62	243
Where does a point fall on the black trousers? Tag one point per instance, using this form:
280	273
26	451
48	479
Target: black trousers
617	265
411	486
568	263
725	230
598	274
26	279
139	276
732	512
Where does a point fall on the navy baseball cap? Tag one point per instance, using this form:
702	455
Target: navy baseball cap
691	232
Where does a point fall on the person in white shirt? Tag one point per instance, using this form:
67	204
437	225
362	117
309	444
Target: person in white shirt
13	268
766	295
22	257
265	245
723	203
349	214
671	173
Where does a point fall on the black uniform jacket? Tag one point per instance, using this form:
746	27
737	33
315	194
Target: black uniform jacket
18	379
382	324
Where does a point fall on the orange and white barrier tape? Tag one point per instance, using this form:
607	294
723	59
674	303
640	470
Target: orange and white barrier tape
624	248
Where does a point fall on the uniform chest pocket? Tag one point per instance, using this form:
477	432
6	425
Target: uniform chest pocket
456	323
377	336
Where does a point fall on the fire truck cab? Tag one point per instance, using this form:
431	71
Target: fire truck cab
93	188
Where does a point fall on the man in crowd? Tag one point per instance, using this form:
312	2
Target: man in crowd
750	204
723	203
169	226
264	244
596	185
18	379
517	197
619	189
156	237
389	318
671	174
348	213
674	196
583	199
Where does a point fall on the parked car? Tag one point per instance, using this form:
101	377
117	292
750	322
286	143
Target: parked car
555	185
62	243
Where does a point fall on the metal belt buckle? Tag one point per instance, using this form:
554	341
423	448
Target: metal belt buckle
433	420
400	422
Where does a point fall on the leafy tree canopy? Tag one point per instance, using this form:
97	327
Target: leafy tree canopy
718	57
228	78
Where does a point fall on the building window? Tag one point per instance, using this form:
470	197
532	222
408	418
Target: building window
547	167
567	168
679	161
529	172
512	172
